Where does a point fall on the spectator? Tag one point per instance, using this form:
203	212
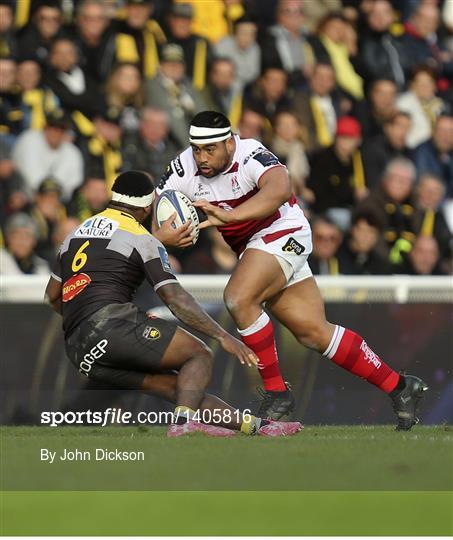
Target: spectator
252	125
151	149
393	204
378	49
18	256
197	51
315	11
336	174
327	238
223	93
11	116
8	39
335	43
100	143
420	44
124	92
47	211
269	93
360	253
138	37
171	91
75	90
430	193
38	154
378	108
36	98
421	103
63	228
46	25
381	149
318	107
286	45
436	154
243	50
91	198
95	39
287	145
13	195
422	260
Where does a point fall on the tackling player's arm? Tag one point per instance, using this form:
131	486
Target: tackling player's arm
186	309
52	296
274	190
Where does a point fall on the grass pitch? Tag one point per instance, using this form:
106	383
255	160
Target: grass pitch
325	480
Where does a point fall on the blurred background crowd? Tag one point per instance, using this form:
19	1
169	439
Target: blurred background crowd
355	97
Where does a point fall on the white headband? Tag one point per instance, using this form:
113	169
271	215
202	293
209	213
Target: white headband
206	135
141	202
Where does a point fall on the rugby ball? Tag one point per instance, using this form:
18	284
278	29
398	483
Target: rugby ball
171	201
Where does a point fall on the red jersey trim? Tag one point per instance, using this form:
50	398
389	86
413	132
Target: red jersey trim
267	238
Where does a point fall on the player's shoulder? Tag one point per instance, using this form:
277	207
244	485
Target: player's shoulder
252	151
179	168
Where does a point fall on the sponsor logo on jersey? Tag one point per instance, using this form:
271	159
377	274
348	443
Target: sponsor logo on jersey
151	333
95	353
292	246
177	166
74	286
372	357
164	259
202	191
256	151
266	158
97	227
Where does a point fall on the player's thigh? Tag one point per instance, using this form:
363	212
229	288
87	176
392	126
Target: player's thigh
300	308
257	276
182	348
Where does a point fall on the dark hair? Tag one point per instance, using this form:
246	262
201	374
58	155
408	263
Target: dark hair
370	217
396	115
210	119
133	183
423	68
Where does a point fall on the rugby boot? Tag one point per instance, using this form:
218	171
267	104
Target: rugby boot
405	401
178	430
279	429
276	405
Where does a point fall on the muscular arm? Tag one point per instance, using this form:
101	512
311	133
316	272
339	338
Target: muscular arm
52	295
275	189
186	309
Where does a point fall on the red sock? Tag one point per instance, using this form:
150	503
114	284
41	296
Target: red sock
350	351
260	338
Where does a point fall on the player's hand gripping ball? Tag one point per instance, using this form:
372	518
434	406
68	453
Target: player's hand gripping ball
170	202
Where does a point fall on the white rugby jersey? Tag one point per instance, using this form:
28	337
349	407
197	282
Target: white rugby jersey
233	187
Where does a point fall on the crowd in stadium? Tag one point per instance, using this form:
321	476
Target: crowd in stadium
354	97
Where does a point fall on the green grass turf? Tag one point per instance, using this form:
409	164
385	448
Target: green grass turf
325	480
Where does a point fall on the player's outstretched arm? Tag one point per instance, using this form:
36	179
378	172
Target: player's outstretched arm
187	310
52	295
275	189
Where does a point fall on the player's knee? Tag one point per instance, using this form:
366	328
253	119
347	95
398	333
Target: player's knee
236	303
312	336
203	352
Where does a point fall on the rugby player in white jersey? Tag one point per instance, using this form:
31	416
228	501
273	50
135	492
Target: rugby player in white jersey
245	191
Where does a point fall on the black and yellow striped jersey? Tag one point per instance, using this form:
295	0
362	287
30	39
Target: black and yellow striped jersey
104	261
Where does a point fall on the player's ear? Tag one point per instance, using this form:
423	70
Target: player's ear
230	144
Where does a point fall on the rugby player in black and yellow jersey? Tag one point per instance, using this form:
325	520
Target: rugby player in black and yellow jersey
109	339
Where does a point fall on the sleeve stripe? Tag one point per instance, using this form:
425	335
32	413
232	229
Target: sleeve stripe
165	282
57	278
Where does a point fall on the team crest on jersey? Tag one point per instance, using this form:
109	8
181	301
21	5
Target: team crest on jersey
164	259
97	227
292	246
74	286
151	333
235	187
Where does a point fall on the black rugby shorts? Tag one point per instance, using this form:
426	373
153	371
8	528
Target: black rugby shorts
119	344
